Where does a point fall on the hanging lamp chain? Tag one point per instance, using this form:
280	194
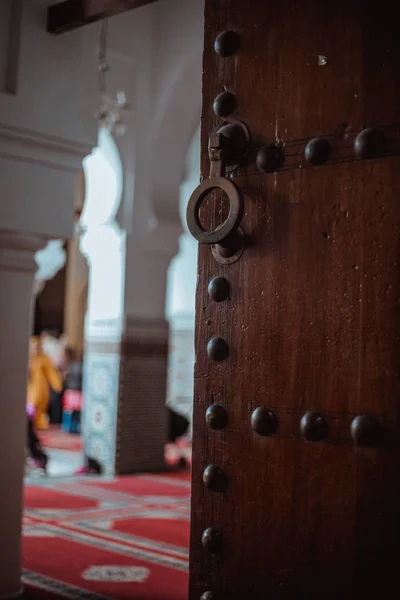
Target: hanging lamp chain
110	113
103	65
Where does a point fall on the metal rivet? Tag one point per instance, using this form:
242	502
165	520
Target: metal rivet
216	417
218	289
365	431
217	349
215	479
318	151
369	143
231	249
211	540
269	158
313	427
263	421
207	596
224	104
227	43
234	143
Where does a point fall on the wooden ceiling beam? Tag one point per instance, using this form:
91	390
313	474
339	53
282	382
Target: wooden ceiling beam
71	14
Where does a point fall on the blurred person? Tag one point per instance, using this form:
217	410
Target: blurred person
43	377
178	426
37	457
72	398
55	347
71	370
91	467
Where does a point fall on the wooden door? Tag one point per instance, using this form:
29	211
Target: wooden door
297	416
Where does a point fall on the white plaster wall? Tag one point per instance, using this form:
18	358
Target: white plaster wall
102	240
182	274
154	54
49	122
46	121
166	104
46	129
181	293
57	76
49	260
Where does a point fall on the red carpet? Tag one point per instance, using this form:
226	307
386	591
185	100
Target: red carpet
101	539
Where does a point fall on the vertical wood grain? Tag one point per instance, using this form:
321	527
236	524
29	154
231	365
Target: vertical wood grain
313	317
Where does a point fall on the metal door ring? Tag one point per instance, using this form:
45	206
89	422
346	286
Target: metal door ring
236	206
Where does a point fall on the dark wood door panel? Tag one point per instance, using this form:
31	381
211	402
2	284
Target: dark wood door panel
312	321
313	318
282	89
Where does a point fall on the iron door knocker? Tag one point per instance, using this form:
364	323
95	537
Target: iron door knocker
215	181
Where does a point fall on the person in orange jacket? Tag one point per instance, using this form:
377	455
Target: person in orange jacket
43	377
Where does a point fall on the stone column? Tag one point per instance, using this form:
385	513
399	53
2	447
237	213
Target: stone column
17	271
126	353
142	418
104	247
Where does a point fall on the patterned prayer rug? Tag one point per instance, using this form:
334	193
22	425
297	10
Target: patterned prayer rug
98	538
